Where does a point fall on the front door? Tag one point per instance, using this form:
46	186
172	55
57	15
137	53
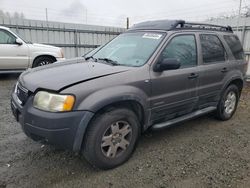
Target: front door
12	56
174	91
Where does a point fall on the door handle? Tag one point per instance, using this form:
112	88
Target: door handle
224	70
193	75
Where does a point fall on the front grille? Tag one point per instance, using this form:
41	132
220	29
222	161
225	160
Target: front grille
22	94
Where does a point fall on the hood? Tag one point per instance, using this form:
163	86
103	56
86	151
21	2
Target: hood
44	46
72	60
59	76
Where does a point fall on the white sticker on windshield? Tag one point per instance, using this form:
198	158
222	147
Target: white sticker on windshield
152	36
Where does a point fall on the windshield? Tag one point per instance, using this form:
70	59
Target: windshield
130	49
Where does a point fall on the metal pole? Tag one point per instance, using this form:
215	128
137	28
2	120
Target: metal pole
76	43
239	16
86	15
243	32
127	23
47	22
46	11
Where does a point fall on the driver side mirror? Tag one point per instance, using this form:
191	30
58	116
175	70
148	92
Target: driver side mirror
167	64
19	41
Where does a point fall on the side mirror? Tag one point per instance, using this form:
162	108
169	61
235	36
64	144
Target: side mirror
19	41
167	64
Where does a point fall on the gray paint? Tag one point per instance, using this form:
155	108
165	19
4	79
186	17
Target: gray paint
181	94
162	95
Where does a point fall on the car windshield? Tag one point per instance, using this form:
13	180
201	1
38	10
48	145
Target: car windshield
130	49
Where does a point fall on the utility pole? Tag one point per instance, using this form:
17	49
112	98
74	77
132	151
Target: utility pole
85	15
238	20
46	12
127	22
47	22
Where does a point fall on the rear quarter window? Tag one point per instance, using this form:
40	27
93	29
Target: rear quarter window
235	46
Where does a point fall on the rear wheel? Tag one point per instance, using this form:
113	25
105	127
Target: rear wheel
228	103
111	138
43	60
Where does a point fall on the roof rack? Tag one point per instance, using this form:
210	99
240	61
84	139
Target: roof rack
201	26
179	24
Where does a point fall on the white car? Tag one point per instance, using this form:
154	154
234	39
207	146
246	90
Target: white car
16	55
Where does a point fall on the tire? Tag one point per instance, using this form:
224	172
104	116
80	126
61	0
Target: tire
103	150
229	97
43	60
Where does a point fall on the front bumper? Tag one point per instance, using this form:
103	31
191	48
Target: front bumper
64	130
60	59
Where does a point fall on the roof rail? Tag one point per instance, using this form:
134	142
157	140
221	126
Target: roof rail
203	26
178	24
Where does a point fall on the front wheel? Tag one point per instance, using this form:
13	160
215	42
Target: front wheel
228	103
43	60
111	138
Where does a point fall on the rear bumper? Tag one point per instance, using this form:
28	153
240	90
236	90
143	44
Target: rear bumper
64	130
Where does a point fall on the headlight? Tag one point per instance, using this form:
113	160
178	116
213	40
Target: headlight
53	102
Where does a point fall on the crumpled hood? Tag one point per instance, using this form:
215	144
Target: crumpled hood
61	75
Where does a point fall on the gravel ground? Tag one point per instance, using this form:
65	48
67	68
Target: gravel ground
200	153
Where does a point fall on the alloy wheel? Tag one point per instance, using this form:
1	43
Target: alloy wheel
116	139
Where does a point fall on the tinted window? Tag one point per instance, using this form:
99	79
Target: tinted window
212	48
235	46
6	38
182	48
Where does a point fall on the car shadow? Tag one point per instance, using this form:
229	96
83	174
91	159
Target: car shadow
9	76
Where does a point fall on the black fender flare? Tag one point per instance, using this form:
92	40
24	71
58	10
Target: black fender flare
108	96
235	77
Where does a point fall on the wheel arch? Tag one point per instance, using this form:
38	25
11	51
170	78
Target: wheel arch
236	81
130	104
45	55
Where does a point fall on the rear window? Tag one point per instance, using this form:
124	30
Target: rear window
212	49
235	46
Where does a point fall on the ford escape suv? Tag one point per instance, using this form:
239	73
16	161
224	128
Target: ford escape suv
154	75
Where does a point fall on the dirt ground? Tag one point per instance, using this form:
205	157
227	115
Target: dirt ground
200	153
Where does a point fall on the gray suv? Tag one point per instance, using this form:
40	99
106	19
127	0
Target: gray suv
156	74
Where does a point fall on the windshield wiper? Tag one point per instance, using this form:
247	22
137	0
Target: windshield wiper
90	57
110	61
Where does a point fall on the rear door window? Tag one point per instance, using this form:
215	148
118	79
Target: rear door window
235	46
212	49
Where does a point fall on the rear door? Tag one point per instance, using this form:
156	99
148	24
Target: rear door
12	56
174	91
213	69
